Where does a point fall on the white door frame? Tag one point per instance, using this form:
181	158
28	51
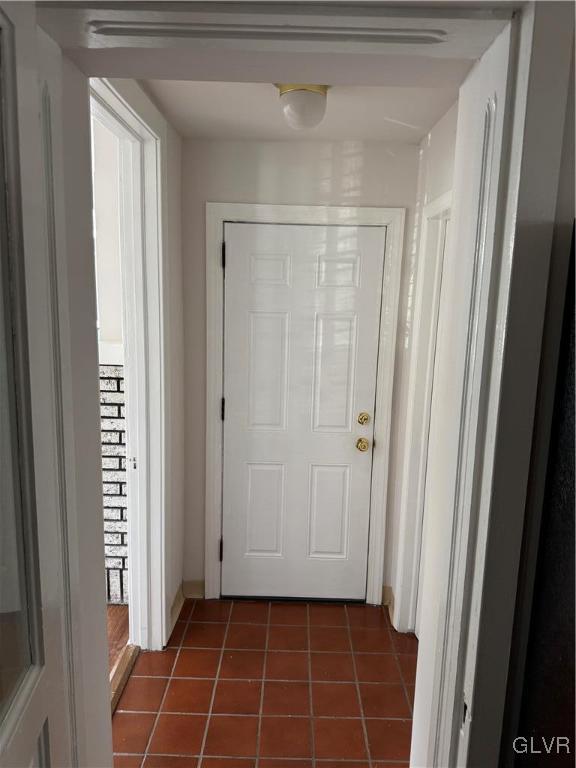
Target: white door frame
141	256
406	578
530	205
216	215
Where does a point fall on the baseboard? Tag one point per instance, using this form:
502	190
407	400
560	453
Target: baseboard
193	588
387	596
388	600
121	672
177	604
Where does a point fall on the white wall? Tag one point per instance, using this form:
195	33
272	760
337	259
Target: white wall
106	170
313	173
434	179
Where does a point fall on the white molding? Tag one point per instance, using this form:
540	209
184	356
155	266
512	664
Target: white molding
143	313
216	215
410	514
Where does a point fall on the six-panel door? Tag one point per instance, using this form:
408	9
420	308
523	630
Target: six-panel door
302	317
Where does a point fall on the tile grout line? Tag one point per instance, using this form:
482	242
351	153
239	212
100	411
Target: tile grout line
396	654
213	697
281	717
310	697
157	718
320	761
404	688
262	687
358	694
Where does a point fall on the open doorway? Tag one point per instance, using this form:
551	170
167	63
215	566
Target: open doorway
475	303
117	446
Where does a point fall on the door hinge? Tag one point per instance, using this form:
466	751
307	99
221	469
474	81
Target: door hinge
222	408
464	711
221	549
223	255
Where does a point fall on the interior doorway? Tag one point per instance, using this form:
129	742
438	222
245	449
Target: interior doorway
117	446
477	197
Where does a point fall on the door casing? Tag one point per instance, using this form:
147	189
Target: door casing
216	215
141	316
545	47
406	578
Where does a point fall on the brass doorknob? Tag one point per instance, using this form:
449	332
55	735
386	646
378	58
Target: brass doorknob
363	417
362	444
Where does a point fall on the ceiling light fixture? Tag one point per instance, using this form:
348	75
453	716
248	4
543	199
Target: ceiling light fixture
303	106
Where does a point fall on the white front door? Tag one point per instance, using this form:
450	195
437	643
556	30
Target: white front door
301	332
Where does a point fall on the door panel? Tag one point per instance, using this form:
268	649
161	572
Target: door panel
302	315
36	726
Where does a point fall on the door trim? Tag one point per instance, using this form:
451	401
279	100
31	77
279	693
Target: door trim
216	215
143	321
410	515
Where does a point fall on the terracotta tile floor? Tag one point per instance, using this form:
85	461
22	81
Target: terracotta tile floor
271	685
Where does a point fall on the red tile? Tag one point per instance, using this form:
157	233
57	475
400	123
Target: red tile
339	764
234	736
228	762
130	731
128	761
377	668
193	662
408	667
286	665
388	765
177	634
188	696
178	735
288	638
142	694
155	663
237	697
329	639
329	615
186	610
389	739
246	636
332	666
250	613
334	738
279	763
335	700
286	698
366	616
247	665
383	700
285	737
288	613
371	640
211	610
170	761
203	635
404	642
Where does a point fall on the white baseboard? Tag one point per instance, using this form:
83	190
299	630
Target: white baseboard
193	588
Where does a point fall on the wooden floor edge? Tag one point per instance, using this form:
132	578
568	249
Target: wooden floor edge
121	672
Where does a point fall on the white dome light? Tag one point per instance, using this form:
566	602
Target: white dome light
303	106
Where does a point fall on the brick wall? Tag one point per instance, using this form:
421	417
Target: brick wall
113	431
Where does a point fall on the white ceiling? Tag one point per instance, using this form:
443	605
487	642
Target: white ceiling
214	110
